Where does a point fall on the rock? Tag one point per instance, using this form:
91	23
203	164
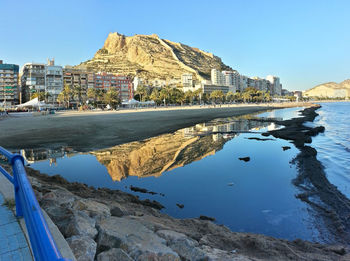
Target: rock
202	217
117	212
114	254
153	204
286	148
92	207
151	56
187	248
246	159
170	236
180	205
259	139
215	254
63	196
142	190
133	237
80	224
83	247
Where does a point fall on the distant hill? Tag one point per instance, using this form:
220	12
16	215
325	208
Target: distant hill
330	90
150	57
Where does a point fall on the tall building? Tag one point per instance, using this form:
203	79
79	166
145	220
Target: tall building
54	81
9	89
77	78
121	83
276	87
231	80
33	80
217	78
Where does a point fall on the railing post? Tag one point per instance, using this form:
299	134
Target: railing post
19	212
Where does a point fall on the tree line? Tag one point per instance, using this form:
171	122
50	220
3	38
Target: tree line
77	96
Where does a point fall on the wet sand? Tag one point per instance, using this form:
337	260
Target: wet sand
86	131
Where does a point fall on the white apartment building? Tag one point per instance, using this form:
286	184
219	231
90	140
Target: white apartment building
33	79
232	80
39	77
54	80
217	78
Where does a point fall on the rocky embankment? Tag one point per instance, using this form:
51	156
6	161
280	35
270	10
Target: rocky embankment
103	224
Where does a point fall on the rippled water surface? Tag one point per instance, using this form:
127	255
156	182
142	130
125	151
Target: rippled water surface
333	146
200	168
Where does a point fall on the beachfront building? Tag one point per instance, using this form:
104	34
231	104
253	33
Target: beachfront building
33	80
237	82
9	89
275	85
121	83
217	78
54	81
78	79
209	88
232	80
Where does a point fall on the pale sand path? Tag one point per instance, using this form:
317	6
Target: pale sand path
85	131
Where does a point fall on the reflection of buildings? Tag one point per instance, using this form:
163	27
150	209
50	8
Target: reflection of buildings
35	155
154	156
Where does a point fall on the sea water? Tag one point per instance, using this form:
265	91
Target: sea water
203	172
333	146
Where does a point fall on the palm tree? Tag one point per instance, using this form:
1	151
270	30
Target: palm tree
66	95
189	95
230	96
142	92
112	98
155	96
165	94
217	96
41	95
78	93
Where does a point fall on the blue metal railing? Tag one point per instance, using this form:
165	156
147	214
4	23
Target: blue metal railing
42	243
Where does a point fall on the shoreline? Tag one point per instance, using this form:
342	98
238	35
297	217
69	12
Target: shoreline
87	131
91	214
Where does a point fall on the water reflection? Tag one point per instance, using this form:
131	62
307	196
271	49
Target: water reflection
154	156
35	155
255	196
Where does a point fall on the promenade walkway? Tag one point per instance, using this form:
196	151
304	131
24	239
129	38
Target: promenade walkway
13	244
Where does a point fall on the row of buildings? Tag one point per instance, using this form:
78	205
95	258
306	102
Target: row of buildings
226	81
18	86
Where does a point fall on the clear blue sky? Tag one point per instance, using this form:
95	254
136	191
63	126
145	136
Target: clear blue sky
304	42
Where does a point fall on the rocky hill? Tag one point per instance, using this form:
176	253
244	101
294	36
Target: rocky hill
330	90
150	57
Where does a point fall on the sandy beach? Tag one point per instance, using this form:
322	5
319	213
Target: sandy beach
86	131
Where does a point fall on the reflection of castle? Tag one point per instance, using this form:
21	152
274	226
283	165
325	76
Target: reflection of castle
35	155
154	156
